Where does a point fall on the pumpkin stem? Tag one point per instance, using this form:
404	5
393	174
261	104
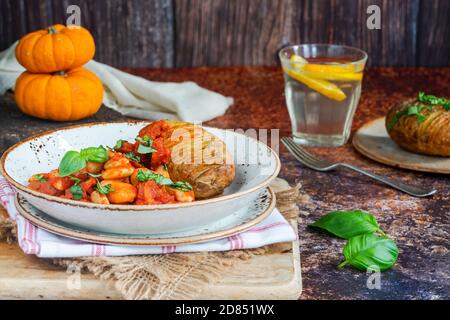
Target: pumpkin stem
52	30
59	73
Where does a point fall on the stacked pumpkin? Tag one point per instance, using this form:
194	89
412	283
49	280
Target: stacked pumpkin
55	86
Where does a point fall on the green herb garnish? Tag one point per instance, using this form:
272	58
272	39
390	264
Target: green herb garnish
93	175
132	156
118	145
413	110
76	191
145	145
416	108
166	167
182	185
75	179
146	140
94	154
145	149
433	100
364	249
144	176
74	161
103	189
40	178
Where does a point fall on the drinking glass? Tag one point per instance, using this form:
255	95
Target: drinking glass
322	88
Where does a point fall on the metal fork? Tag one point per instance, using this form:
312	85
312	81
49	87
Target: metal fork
320	164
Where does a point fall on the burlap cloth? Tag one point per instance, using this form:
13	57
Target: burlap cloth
172	276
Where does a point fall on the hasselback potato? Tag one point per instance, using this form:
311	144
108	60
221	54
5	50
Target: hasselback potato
421	125
196	156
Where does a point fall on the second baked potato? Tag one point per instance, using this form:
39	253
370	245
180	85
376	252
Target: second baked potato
421	125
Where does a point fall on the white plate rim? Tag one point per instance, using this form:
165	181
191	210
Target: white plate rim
130	241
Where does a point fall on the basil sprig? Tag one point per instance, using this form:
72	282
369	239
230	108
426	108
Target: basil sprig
348	224
145	149
144	176
104	189
40	178
132	156
145	145
76	191
118	145
74	161
75	180
182	185
364	248
368	251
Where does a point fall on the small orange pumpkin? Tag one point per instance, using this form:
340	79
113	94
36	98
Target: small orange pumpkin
55	48
62	96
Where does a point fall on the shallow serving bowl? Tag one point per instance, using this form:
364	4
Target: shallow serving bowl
256	166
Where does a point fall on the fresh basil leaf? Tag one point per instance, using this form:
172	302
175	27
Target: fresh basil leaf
347	224
421	118
369	251
118	144
94	154
161	180
132	156
75	179
182	185
146	140
145	150
104	189
71	163
93	175
76	191
40	178
144	176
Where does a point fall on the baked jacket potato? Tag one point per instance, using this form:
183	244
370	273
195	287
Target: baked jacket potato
196	156
420	127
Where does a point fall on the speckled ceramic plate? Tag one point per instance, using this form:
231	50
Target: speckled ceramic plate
256	166
241	220
373	141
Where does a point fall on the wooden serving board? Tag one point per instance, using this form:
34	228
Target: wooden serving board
272	276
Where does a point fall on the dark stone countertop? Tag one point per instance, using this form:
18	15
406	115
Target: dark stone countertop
420	226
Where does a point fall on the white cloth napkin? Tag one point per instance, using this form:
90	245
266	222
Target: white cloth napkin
33	240
135	96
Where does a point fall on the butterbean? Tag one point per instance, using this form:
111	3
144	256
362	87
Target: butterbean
120	192
118	173
98	197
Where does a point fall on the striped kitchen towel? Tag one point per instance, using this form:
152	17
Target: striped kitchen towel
33	240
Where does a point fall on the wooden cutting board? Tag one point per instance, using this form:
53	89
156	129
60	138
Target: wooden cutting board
272	276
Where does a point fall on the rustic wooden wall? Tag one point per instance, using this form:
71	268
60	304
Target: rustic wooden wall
184	33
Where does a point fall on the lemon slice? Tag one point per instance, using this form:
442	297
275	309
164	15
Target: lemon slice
329	68
297	58
348	69
346	76
326	88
